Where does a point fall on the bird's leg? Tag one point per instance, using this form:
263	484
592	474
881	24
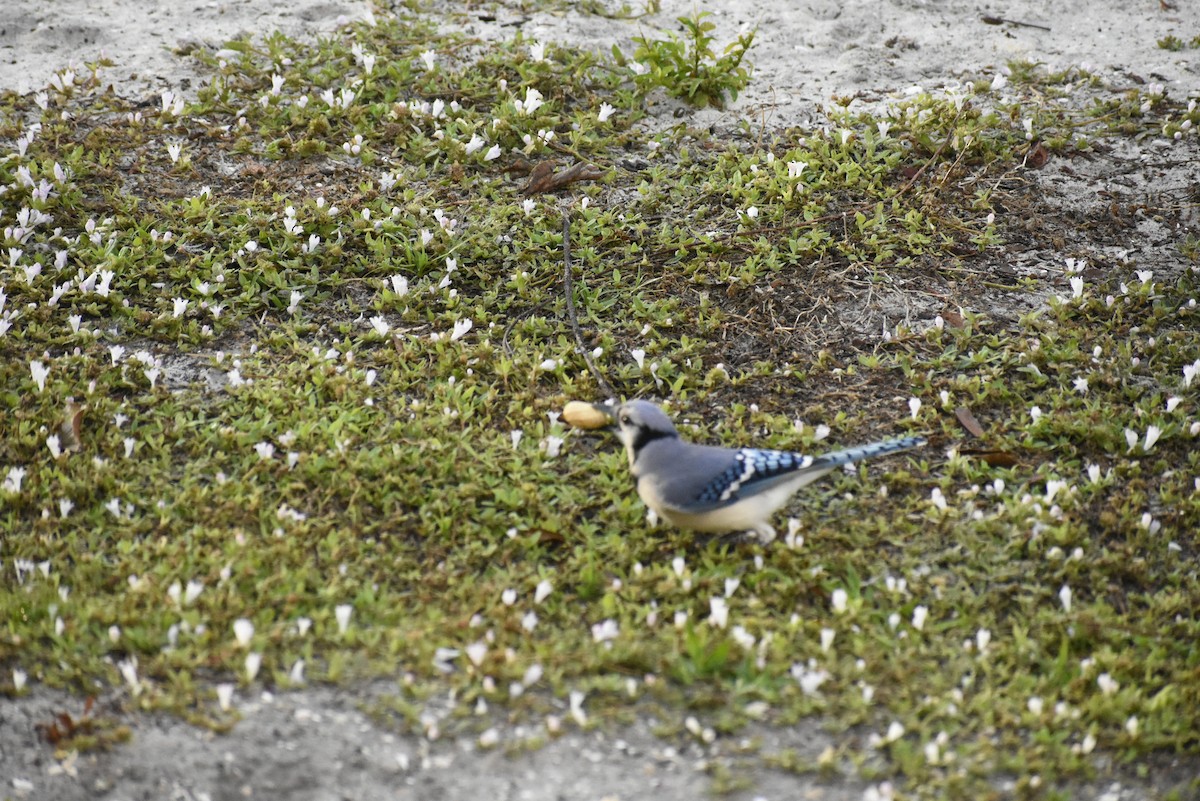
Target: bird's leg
764	533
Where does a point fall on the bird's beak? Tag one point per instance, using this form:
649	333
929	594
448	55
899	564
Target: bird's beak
610	412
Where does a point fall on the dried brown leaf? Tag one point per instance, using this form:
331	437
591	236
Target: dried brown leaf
543	179
1037	156
71	429
994	458
968	421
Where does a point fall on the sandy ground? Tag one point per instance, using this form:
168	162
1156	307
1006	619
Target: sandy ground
318	743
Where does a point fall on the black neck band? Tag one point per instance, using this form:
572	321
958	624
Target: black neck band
647	435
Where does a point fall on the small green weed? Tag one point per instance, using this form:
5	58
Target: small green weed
688	67
1175	44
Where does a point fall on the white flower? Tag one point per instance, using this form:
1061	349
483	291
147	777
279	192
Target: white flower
492	154
605	112
265	450
380	325
575	700
809	678
1064	595
982	638
639	356
742	637
838	600
428	57
180	306
914	406
533	101
529	621
533	674
253	663
919	616
243	630
537	51
342	613
460	329
542	592
605	630
895	732
128	668
938	499
508	597
796	168
718	612
477	652
1172	404
192	592
40	372
1107	684
1035	705
1189	372
1152	435
18	678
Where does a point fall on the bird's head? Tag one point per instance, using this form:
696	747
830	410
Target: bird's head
639	423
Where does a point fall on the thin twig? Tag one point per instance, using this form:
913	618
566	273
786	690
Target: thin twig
990	20
569	292
936	154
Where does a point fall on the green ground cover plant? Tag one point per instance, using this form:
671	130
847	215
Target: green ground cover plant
281	368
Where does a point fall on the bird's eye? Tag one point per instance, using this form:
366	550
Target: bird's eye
625	420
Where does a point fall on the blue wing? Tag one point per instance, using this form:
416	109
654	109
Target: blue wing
754	471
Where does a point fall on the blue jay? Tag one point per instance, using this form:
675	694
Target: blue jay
712	489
